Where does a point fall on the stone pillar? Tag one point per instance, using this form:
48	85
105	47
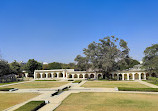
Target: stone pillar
52	75
123	77
83	76
139	76
72	76
112	76
133	76
57	74
35	75
128	77
78	76
144	76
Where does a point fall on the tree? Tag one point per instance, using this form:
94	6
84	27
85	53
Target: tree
127	63
103	56
82	63
55	65
150	61
4	68
32	65
15	67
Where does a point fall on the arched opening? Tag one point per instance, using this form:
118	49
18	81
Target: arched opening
153	75
99	76
86	75
110	76
49	75
136	76
120	76
115	76
55	75
142	75
147	75
125	76
38	75
92	76
75	76
70	76
130	76
43	75
80	76
60	74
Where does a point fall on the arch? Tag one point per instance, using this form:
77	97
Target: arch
136	76
110	76
49	75
115	76
91	75
43	75
60	74
86	76
55	75
99	76
75	76
147	76
130	76
120	76
153	75
142	75
125	76
70	76
38	75
80	76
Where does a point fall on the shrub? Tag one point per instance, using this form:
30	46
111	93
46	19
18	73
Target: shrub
45	80
138	89
31	106
5	89
77	81
70	80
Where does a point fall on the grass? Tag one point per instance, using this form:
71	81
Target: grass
38	84
109	102
10	82
112	84
138	89
10	99
45	80
152	82
31	106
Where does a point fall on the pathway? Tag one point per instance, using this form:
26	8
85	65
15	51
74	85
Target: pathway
148	84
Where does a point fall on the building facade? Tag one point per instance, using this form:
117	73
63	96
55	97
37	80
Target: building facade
135	73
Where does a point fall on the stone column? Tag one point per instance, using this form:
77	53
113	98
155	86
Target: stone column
133	78
78	75
139	76
83	76
52	75
123	77
35	75
144	76
57	74
112	76
46	75
128	77
72	76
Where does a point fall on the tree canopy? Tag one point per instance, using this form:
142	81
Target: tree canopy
104	55
150	61
15	67
4	68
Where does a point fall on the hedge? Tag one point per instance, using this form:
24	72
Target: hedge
138	89
31	106
77	81
5	89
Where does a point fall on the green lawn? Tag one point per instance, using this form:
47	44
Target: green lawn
38	84
109	102
112	84
10	82
10	99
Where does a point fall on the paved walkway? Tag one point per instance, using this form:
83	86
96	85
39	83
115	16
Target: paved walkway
148	84
55	101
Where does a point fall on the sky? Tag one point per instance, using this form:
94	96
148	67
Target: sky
58	30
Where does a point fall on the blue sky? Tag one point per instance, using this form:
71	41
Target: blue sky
58	30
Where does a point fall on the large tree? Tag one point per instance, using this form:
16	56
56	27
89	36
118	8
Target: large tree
4	68
15	67
55	65
104	55
150	61
32	65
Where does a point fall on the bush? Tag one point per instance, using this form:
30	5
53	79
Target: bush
77	81
5	89
31	106
138	89
45	80
70	80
